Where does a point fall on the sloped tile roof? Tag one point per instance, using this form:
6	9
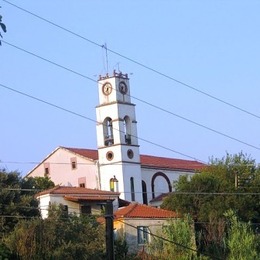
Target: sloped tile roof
88	198
170	163
149	161
65	190
160	197
88	153
136	210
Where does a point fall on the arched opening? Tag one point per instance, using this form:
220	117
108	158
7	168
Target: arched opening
108	132
113	183
165	177
127	130
144	189
132	187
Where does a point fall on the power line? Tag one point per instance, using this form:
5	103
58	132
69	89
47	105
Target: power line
137	62
143	101
149	192
168	240
92	120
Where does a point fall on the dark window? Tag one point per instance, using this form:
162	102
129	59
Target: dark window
144	188
132	186
127	130
85	210
46	171
65	210
82	185
73	163
108	132
142	235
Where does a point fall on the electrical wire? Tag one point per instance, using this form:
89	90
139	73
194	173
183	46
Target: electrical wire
169	241
92	120
172	193
136	62
143	101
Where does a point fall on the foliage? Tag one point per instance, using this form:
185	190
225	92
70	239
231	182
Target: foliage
17	198
197	196
5	253
178	242
14	204
241	240
121	249
57	237
37	183
3	26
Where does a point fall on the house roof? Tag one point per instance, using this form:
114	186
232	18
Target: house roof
148	161
160	197
78	192
100	198
136	210
88	153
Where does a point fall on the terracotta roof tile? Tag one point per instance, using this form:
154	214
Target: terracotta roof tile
89	198
149	161
88	153
66	190
136	210
170	163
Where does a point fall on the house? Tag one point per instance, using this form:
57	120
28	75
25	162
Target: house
76	200
116	165
137	223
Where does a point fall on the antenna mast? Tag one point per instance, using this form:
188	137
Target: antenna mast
105	47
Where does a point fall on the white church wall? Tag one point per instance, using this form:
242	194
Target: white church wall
160	183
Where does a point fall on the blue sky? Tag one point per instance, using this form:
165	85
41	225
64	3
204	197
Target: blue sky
211	46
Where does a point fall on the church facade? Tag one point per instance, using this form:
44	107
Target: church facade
116	165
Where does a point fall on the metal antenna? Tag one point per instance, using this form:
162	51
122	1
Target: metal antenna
105	47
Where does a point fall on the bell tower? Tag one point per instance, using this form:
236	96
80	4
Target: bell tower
118	149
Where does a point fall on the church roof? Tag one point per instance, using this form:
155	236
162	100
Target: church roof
148	161
136	210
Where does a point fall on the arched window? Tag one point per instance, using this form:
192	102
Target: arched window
127	130
108	132
132	186
156	175
144	188
112	184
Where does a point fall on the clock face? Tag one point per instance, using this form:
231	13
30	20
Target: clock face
107	88
122	87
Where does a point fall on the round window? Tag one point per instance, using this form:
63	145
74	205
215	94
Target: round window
130	153
110	156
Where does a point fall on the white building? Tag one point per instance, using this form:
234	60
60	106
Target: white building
76	200
116	165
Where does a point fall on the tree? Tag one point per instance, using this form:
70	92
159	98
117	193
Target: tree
213	191
17	198
37	183
241	240
3	27
178	242
58	237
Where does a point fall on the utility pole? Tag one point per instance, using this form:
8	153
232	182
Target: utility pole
110	255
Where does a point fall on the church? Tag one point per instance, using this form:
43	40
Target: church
116	165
